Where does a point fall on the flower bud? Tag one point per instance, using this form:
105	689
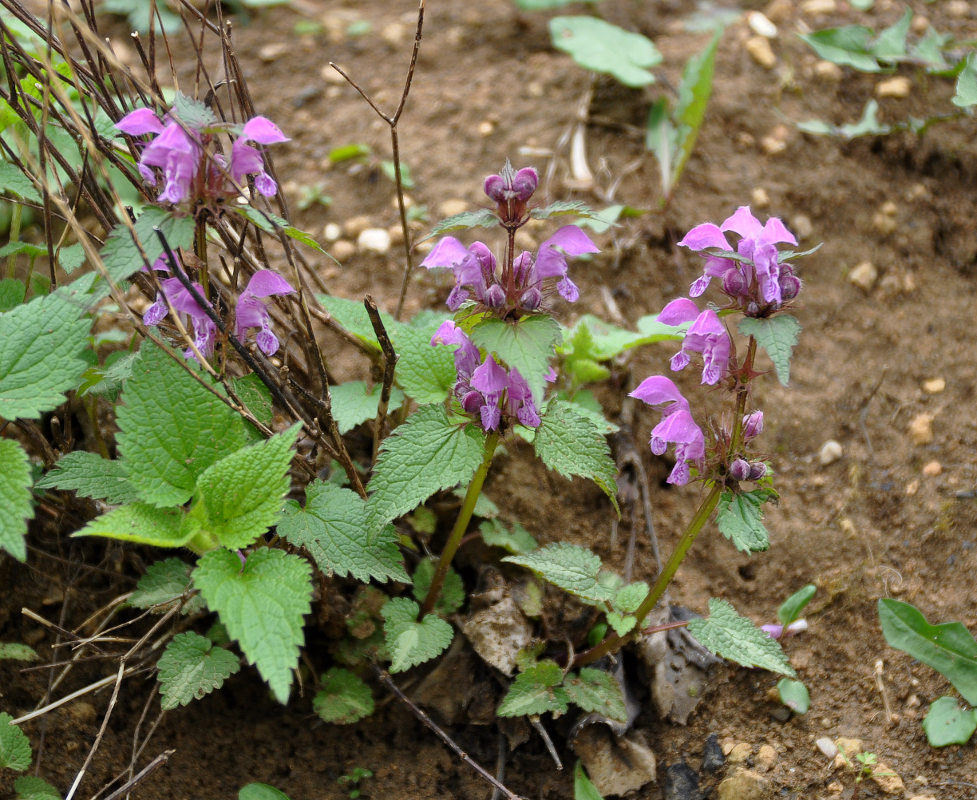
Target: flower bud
734	283
525	183
790	286
752	425
472	401
531	298
752	308
494	296
757	470
739	469
495	188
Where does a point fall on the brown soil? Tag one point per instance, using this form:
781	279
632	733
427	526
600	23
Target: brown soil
892	517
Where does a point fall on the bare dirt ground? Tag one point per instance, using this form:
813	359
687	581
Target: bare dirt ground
894	516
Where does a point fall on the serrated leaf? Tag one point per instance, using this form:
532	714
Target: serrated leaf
427	453
583	789
410	642
630	597
15	747
121	255
353	317
172	429
164	583
240	497
252	391
343	698
571	444
739	516
272	223
192	667
777	335
15	498
602	47
143	524
572	568
947	723
92	476
575	207
517	540
71	257
12	292
621	623
966	91
794	695
596	691
527	345
262	605
41	351
482	218
16	651
13	181
536	691
425	372
948	648
791	608
30	787
452	591
736	639
194	113
353	404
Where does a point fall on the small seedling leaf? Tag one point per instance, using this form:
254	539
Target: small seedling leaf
353	404
571	444
740	519
30	787
526	345
602	47
596	691
629	598
572	568
343	698
92	476
794	695
517	540
261	791
192	667
777	335
483	218
621	623
583	789
966	93
536	691
947	723
164	583
736	639
410	642
452	591
262	605
15	747
690	110
333	528
949	648
846	46
15	651
15	498
427	453
143	524
790	610
575	207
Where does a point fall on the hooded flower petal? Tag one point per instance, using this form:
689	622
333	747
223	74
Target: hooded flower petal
139	122
262	131
267	282
551	261
677	426
678	311
704	236
447	253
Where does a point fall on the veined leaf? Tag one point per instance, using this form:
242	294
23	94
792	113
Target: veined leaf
527	345
536	691
411	642
947	723
30	787
143	523
602	47
482	218
92	476
735	638
353	405
15	498
192	667
595	690
164	583
790	610
572	568
739	516
777	335
15	747
343	698
122	255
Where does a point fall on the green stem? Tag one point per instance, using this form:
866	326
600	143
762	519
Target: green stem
200	249
461	525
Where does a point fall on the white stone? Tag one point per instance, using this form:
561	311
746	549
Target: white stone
830	452
898	86
374	240
827	746
332	231
864	275
760	25
761	52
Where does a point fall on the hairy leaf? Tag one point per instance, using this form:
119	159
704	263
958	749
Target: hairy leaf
343	698
595	690
262	605
143	524
12	292
947	723
353	405
15	747
13	181
583	789
516	540
482	218
452	591
536	691
735	638
966	93
425	372
526	345
333	528
630	597
164	583
410	642
30	787
561	207
602	47
92	476
572	568
791	608
192	667
777	335
15	498
122	256
739	516
261	791
427	453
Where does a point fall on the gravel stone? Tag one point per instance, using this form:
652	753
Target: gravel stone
712	754
374	240
921	429
864	275
830	452
761	52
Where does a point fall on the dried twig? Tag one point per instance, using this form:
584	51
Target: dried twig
389	365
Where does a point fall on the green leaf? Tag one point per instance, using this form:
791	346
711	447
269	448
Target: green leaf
410	642
536	691
353	317
602	47
777	335
740	519
192	667
947	723
92	476
353	404
333	528
13	181
790	610
966	93
165	583
272	223
15	747
845	46
12	292
71	257
343	698
693	98
122	256
348	152
30	787
526	345
15	651
15	498
629	598
424	371
240	497
261	791
196	114
41	351
427	453
517	540
572	568
172	428
890	44
262	605
559	208
452	591
735	638
867	125
143	524
794	695
583	789
621	623
570	443
483	218
595	690
256	397
949	648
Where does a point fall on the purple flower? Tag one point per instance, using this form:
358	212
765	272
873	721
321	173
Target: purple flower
204	329
510	191
246	160
551	260
706	335
752	425
778	631
676	426
251	312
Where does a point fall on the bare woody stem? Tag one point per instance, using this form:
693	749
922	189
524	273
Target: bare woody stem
461	525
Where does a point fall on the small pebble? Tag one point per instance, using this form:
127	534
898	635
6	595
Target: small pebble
920	24
864	275
828	71
802	226
888	780
775	142
332	231
394	34
761	25
761	52
958	8
781	713
452	206
779	10
354	226
745	784
712	754
82	712
374	240
740	752
272	52
847	748
913	701
912	488
932	469
827	746
766	757
486	127
760	197
921	429
819	6
922	797
396	234
898	86
342	250
680	783
835	788
934	385
830	452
